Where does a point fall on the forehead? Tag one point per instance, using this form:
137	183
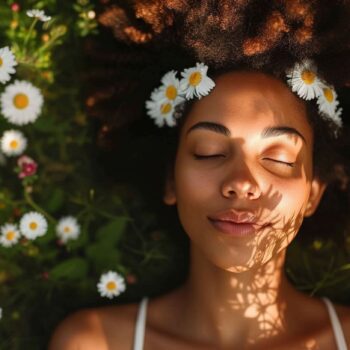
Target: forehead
248	101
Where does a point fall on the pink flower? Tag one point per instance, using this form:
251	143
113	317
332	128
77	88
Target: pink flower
15	7
27	166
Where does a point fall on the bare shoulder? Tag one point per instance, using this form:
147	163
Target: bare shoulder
96	328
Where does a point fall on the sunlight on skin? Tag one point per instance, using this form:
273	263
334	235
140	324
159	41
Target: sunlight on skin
237	285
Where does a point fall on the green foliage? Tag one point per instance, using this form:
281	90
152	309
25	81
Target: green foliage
71	269
44	279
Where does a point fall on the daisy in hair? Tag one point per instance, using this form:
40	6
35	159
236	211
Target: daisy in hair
161	110
327	101
170	90
304	81
195	82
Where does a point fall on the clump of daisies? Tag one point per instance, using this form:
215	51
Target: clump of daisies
164	99
38	14
33	225
7	64
13	143
303	80
21	102
67	228
10	235
111	284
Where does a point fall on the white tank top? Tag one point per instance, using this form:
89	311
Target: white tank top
141	325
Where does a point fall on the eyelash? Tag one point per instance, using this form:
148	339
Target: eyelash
201	157
290	164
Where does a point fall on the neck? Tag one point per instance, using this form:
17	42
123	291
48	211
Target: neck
224	306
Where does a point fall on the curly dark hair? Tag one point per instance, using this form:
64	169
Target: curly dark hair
152	37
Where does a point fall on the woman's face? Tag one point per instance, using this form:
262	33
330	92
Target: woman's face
243	177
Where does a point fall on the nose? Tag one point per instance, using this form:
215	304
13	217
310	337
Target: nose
240	183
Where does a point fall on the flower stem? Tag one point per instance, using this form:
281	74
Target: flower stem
35	206
30	31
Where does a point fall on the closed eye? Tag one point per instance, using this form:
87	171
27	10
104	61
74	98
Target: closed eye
290	164
201	156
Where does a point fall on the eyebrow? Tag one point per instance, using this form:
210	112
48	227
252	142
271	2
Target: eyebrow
267	132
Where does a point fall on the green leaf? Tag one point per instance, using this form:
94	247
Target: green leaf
55	201
46	125
71	269
102	256
111	233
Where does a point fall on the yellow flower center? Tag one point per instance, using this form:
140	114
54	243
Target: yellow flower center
10	235
33	225
66	229
21	101
1	62
14	144
308	77
195	78
328	94
165	108
171	92
111	285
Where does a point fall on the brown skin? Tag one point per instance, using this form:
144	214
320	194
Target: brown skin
236	295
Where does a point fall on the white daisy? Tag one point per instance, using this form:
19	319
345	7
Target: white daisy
67	228
21	102
195	81
111	284
7	62
39	14
13	143
327	101
33	225
162	111
170	90
336	118
304	81
9	235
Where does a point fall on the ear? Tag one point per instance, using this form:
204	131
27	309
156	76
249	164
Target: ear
317	189
169	196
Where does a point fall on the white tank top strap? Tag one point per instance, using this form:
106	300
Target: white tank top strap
337	328
139	334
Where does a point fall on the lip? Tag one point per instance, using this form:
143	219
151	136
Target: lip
232	215
235	229
235	223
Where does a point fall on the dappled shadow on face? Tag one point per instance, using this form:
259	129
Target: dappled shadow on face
259	300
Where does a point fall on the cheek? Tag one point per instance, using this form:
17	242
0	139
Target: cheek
195	192
292	201
189	189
